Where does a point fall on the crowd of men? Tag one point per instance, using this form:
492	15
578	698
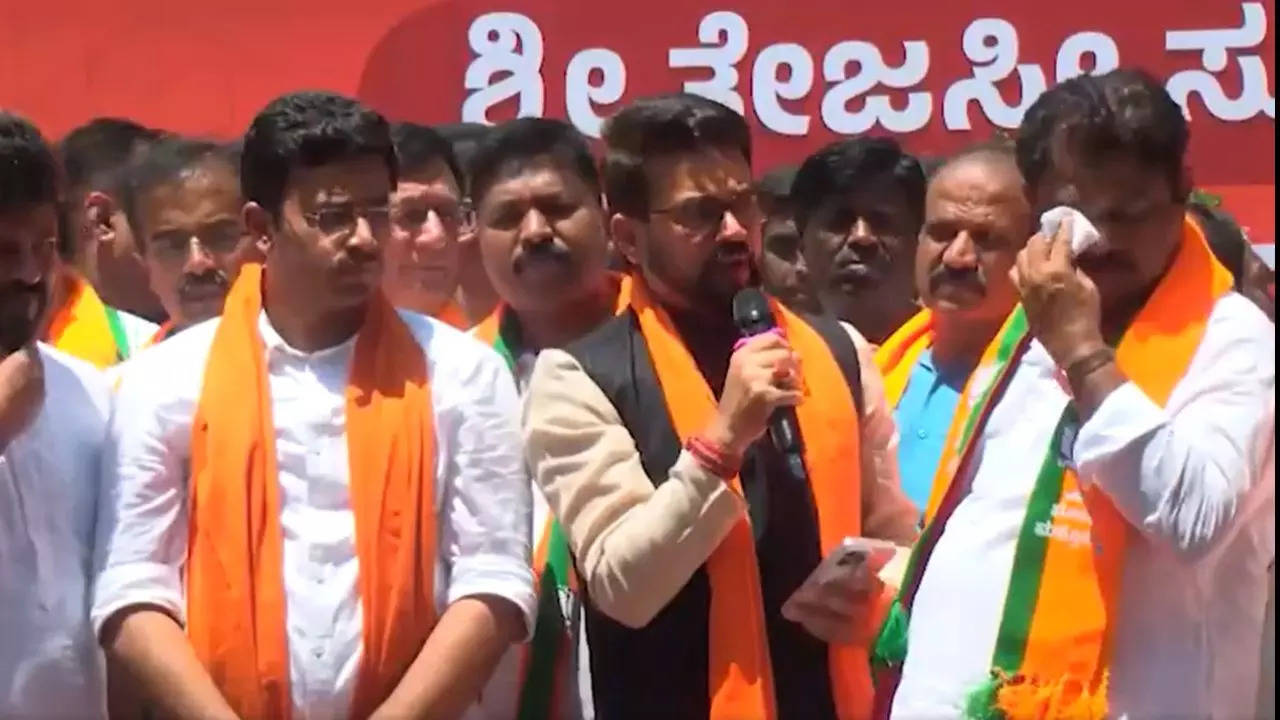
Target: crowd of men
352	418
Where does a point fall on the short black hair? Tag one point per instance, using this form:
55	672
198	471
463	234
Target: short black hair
308	129
774	189
465	139
842	167
1225	237
418	145
94	153
517	144
28	170
1123	112
658	126
165	162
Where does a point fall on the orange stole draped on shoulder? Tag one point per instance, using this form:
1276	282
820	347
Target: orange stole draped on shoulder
452	314
739	672
80	326
235	582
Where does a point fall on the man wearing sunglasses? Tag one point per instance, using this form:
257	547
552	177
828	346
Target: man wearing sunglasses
183	203
329	517
423	258
690	535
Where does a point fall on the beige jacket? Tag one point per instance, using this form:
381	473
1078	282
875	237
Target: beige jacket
637	545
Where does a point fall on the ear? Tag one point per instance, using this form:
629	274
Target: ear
1188	182
626	233
258	223
98	209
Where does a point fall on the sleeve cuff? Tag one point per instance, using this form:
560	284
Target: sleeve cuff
125	586
1125	416
496	576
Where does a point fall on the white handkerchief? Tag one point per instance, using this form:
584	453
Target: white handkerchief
1083	233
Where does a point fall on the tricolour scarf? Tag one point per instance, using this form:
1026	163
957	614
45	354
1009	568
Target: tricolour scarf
1053	649
85	327
235	582
546	658
740	675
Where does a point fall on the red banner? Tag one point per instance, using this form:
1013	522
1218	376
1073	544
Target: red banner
937	74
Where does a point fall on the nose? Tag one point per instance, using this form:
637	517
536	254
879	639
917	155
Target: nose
198	259
961	253
732	228
534	228
363	237
33	262
860	233
432	235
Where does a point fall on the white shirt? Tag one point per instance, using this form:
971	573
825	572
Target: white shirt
501	696
50	665
1197	481
482	492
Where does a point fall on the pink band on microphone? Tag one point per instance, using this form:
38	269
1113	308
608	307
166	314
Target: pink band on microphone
771	331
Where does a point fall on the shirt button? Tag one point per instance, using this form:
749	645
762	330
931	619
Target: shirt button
922	434
317	652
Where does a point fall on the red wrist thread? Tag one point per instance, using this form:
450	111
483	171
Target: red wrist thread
714	457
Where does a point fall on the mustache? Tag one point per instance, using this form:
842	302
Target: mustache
731	251
547	251
211	280
1104	259
17	288
971	278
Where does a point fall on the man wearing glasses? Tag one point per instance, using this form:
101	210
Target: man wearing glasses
422	263
183	203
330	519
690	535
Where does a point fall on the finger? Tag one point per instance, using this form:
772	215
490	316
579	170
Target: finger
1060	246
766	341
782	397
1037	249
1022	266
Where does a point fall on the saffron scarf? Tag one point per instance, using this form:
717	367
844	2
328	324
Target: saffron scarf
235	584
898	355
739	673
161	334
546	658
452	314
1053	649
85	327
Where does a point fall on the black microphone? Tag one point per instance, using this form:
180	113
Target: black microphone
752	315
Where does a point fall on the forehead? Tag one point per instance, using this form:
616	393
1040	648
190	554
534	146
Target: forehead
881	191
213	183
1079	179
433	177
709	170
26	220
538	176
360	178
975	183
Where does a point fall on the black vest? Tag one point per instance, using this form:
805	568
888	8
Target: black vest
661	670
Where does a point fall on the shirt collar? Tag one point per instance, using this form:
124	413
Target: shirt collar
273	343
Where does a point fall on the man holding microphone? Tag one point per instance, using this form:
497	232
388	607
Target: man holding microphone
690	535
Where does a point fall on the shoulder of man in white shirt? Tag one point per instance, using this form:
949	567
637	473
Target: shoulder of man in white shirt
70	379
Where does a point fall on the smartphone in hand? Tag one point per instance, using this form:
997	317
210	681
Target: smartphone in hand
850	566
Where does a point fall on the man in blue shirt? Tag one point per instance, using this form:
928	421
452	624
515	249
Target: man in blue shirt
976	220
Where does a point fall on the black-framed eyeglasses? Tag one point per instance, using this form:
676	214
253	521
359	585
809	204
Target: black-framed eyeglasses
704	213
341	220
452	215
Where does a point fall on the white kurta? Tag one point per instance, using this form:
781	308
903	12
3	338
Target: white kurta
1195	478
50	665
